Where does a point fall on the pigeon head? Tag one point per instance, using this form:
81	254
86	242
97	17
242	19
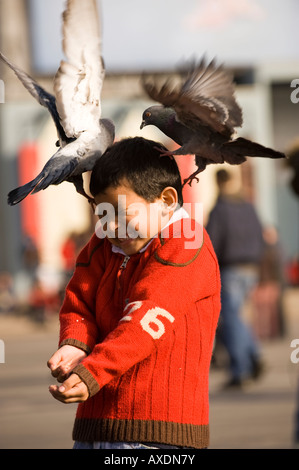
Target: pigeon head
156	116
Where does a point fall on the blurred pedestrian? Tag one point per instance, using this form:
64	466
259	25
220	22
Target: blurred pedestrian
26	276
293	162
237	237
7	300
268	317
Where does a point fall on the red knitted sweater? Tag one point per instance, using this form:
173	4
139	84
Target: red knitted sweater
148	323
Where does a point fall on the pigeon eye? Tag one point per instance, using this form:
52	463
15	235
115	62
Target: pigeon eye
147	114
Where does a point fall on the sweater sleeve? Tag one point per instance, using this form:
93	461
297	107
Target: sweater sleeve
77	315
173	279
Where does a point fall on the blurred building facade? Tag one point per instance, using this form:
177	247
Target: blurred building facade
28	136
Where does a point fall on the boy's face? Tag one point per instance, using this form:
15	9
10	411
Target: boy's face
129	221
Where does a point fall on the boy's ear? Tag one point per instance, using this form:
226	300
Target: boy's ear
169	197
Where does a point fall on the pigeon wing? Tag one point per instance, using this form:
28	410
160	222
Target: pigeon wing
40	94
78	81
206	98
213	87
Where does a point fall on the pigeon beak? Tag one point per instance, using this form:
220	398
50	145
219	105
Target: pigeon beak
142	125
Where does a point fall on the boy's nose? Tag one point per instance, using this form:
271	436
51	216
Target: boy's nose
117	227
112	226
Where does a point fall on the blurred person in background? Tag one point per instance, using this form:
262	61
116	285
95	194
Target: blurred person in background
237	237
268	295
26	277
293	162
7	301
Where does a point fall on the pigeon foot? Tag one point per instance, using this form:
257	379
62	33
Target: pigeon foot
191	178
164	153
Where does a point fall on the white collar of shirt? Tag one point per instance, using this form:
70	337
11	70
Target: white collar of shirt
179	214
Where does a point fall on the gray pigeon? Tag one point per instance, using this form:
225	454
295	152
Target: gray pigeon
201	115
76	107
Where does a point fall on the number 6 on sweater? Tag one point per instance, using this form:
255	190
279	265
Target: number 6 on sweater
150	319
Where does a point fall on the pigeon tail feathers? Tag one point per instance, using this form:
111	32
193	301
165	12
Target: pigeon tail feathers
17	195
44	179
247	148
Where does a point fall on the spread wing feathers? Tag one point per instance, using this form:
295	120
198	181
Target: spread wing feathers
78	81
55	171
213	86
42	96
206	97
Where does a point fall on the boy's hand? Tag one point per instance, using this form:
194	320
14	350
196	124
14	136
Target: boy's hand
73	390
64	360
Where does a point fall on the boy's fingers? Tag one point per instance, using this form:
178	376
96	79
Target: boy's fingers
54	359
54	371
69	383
72	390
66	386
59	369
53	364
59	374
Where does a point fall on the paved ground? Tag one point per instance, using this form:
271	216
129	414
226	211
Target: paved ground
261	417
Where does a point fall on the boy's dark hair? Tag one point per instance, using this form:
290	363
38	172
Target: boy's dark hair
138	161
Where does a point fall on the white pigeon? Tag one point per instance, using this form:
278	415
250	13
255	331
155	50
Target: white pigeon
83	136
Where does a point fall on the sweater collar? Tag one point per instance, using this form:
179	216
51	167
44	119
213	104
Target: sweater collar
179	214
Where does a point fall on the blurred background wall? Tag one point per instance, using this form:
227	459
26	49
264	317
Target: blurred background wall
257	40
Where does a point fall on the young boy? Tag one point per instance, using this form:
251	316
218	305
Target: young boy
140	312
